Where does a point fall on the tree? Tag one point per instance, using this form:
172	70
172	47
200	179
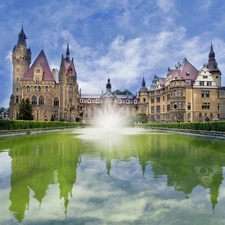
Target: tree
141	118
125	92
25	110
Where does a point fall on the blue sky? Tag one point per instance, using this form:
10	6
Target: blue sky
125	40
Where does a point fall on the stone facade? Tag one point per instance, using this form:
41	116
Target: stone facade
52	93
185	94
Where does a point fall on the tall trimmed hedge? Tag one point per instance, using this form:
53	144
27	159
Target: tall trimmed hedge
27	124
206	126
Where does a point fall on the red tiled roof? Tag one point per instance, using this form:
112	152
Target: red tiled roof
185	71
69	67
47	74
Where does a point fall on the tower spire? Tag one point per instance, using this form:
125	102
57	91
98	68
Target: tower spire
108	85
68	52
212	64
22	38
143	82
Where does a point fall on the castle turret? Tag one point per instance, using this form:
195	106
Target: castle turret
108	86
213	67
21	59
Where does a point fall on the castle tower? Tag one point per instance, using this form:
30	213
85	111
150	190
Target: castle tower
21	59
69	93
213	67
143	98
108	86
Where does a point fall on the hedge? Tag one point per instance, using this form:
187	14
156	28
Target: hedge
205	126
28	124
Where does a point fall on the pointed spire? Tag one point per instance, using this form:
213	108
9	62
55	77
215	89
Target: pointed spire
143	82
211	53
143	87
212	64
68	52
108	85
22	38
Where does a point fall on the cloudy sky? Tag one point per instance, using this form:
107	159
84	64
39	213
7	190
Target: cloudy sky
125	40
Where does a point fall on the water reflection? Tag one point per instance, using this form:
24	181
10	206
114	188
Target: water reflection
40	161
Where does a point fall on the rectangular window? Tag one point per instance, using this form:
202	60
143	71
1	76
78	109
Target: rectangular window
144	99
189	106
158	99
205	105
168	96
205	77
200	115
168	108
205	94
152	109
158	109
209	83
152	100
201	83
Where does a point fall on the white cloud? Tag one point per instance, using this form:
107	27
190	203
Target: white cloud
165	5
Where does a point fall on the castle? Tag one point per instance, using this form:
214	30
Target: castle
185	94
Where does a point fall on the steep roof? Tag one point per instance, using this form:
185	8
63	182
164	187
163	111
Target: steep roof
42	60
185	71
22	39
143	87
212	64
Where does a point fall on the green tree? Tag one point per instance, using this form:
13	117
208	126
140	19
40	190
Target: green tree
25	110
141	118
125	92
52	119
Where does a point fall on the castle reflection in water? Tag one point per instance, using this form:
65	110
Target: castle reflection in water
41	160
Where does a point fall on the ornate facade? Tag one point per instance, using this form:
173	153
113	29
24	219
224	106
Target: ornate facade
185	94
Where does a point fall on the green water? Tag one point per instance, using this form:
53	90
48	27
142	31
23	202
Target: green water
130	176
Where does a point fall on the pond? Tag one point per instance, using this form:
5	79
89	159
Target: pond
125	176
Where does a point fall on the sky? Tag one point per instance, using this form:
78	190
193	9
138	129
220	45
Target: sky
124	40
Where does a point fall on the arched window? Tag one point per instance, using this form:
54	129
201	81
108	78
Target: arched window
39	88
56	101
46	88
28	88
34	100
70	101
41	100
175	93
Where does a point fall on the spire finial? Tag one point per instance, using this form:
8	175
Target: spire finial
68	52
143	82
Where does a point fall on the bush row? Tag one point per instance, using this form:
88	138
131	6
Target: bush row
206	126
28	124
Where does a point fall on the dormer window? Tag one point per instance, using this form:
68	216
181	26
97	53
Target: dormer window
127	101
38	70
